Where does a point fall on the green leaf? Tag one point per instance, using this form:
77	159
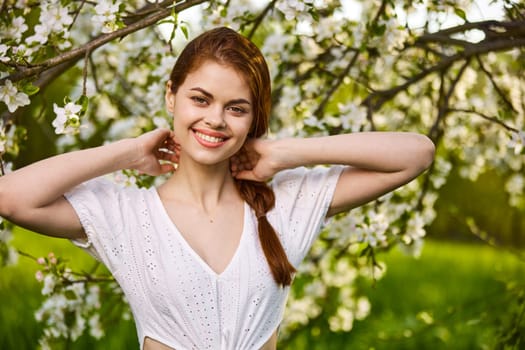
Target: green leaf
460	13
29	89
70	295
167	21
378	29
315	14
84	102
184	29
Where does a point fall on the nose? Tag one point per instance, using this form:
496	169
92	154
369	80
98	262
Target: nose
215	118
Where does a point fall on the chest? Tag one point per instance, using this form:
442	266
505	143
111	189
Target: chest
214	238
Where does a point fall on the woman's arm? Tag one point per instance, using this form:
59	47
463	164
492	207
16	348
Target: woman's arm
32	196
378	162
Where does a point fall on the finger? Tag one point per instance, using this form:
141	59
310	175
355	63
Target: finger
166	168
246	175
168	156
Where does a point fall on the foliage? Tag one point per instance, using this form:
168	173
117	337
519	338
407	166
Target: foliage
467	305
394	65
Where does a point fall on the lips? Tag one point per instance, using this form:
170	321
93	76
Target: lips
209	138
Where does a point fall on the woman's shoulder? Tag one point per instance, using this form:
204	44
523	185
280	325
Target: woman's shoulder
107	192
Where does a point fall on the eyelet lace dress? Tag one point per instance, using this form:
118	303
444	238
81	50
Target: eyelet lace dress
175	297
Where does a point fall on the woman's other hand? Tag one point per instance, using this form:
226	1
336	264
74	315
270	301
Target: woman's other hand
255	161
157	152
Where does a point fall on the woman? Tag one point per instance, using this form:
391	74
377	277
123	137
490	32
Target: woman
207	258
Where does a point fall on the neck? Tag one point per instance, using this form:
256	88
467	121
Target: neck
205	186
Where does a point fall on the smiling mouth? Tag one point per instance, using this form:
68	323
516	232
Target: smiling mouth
208	138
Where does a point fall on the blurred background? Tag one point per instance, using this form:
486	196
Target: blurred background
438	264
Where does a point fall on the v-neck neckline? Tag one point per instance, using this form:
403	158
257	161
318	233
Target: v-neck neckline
192	251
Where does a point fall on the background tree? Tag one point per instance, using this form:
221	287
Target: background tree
77	73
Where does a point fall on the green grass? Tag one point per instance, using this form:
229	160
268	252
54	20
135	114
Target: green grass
461	287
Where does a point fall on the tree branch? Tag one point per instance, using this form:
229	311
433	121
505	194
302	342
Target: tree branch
260	18
495	85
79	52
495	120
377	98
320	109
490	28
51	69
443	103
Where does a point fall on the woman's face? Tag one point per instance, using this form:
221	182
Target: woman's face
212	113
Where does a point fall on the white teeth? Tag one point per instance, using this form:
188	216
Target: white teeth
209	138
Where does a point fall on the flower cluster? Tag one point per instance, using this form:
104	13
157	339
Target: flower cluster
73	302
54	20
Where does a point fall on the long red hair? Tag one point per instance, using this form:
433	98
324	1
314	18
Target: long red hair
227	47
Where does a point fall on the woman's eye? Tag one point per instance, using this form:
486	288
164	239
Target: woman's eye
237	110
199	100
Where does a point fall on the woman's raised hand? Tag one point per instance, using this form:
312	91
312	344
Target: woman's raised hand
157	152
255	161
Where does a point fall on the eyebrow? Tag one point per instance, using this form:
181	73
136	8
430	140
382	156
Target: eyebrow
209	95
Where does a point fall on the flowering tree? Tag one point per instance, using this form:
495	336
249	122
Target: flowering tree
424	66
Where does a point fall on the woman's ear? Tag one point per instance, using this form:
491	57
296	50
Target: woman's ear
169	98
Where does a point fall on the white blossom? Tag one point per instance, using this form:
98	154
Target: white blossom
275	43
93	297
363	308
515	187
310	48
373	232
49	284
106	16
67	119
95	327
301	310
3	140
415	228
342	321
161	122
517	141
292	8
163	68
353	117
56	17
327	27
16	29
3	53
155	97
41	34
10	95
314	122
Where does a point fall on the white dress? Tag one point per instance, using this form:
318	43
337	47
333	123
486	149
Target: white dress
175	297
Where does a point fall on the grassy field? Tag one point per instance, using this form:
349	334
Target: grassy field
453	297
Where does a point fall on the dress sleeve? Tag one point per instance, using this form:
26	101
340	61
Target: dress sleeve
99	204
302	199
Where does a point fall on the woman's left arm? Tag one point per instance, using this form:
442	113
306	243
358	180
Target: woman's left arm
377	162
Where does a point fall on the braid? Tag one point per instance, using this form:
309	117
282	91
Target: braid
261	199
